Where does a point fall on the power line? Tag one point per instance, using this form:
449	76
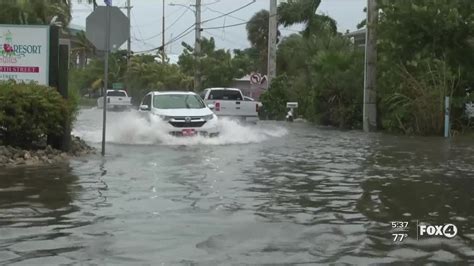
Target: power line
177	19
231	25
156	21
230	12
185	31
210	4
190	28
167	28
138	29
226	26
222	13
180	36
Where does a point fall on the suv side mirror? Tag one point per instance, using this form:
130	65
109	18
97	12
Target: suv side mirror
145	107
211	106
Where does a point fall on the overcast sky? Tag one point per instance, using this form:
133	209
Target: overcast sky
147	16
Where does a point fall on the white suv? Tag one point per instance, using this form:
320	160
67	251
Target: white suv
185	113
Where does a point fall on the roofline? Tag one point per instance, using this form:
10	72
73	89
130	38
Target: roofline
356	32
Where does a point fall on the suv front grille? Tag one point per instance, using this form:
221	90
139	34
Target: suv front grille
187	124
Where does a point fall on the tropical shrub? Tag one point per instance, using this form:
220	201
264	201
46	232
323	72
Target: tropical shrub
425	52
275	98
30	113
417	104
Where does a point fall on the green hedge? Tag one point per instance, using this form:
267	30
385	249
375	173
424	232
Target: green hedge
30	113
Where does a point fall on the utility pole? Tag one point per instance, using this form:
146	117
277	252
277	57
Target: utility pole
129	43
163	35
197	48
272	41
370	96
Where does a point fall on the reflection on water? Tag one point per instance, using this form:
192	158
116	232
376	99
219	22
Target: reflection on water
34	209
313	196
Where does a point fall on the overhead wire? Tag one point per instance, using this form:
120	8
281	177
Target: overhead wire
178	37
159	20
167	28
225	26
222	13
228	26
189	30
228	13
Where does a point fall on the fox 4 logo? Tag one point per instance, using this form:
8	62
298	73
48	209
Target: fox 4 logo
447	230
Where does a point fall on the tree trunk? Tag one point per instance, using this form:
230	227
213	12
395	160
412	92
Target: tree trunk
82	59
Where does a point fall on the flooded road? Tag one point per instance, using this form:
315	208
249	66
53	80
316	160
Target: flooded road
271	193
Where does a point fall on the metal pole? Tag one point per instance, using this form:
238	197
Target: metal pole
163	36
129	43
106	76
370	96
197	47
272	41
446	116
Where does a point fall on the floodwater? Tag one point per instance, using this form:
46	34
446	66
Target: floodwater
272	193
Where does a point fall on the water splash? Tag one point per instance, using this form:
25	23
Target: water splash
132	128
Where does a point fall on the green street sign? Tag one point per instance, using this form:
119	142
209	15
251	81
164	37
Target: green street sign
117	86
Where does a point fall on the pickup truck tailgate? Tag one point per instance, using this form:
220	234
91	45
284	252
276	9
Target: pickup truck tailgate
118	100
230	102
234	108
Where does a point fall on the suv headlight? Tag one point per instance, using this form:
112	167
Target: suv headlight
208	117
165	118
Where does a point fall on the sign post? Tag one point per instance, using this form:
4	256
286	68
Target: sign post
106	75
446	117
110	22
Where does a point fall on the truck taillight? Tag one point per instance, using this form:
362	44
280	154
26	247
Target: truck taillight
256	107
217	106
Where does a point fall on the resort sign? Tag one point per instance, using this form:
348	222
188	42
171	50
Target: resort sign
24	53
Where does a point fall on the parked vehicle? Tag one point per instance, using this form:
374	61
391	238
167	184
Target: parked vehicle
185	113
246	98
230	102
116	99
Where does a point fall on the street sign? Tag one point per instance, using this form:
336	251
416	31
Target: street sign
117	86
292	105
96	26
24	53
255	78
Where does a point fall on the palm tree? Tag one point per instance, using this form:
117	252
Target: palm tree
83	48
36	12
304	11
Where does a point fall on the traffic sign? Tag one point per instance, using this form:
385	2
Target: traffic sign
255	78
96	27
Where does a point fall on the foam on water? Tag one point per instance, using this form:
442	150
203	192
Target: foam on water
131	128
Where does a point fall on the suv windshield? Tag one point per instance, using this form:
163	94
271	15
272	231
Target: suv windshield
177	101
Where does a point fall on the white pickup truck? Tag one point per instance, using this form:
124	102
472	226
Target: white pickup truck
230	102
116	99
